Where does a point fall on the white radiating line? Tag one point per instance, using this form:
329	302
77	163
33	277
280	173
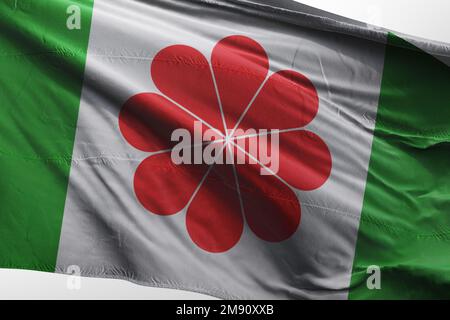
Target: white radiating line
219	100
195	116
249	105
236	179
199	186
204	177
192	145
184	147
262	165
266	133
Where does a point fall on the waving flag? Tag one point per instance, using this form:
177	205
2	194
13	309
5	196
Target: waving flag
242	149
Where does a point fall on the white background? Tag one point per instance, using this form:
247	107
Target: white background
423	18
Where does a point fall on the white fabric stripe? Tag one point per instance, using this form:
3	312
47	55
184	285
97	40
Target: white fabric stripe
109	234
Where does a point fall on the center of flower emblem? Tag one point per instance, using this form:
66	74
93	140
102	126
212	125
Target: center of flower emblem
233	102
214	147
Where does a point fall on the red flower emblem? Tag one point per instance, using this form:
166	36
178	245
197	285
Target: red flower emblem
234	91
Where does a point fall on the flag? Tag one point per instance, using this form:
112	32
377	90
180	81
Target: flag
241	149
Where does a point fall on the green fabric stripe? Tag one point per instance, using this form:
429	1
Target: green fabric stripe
42	66
405	223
